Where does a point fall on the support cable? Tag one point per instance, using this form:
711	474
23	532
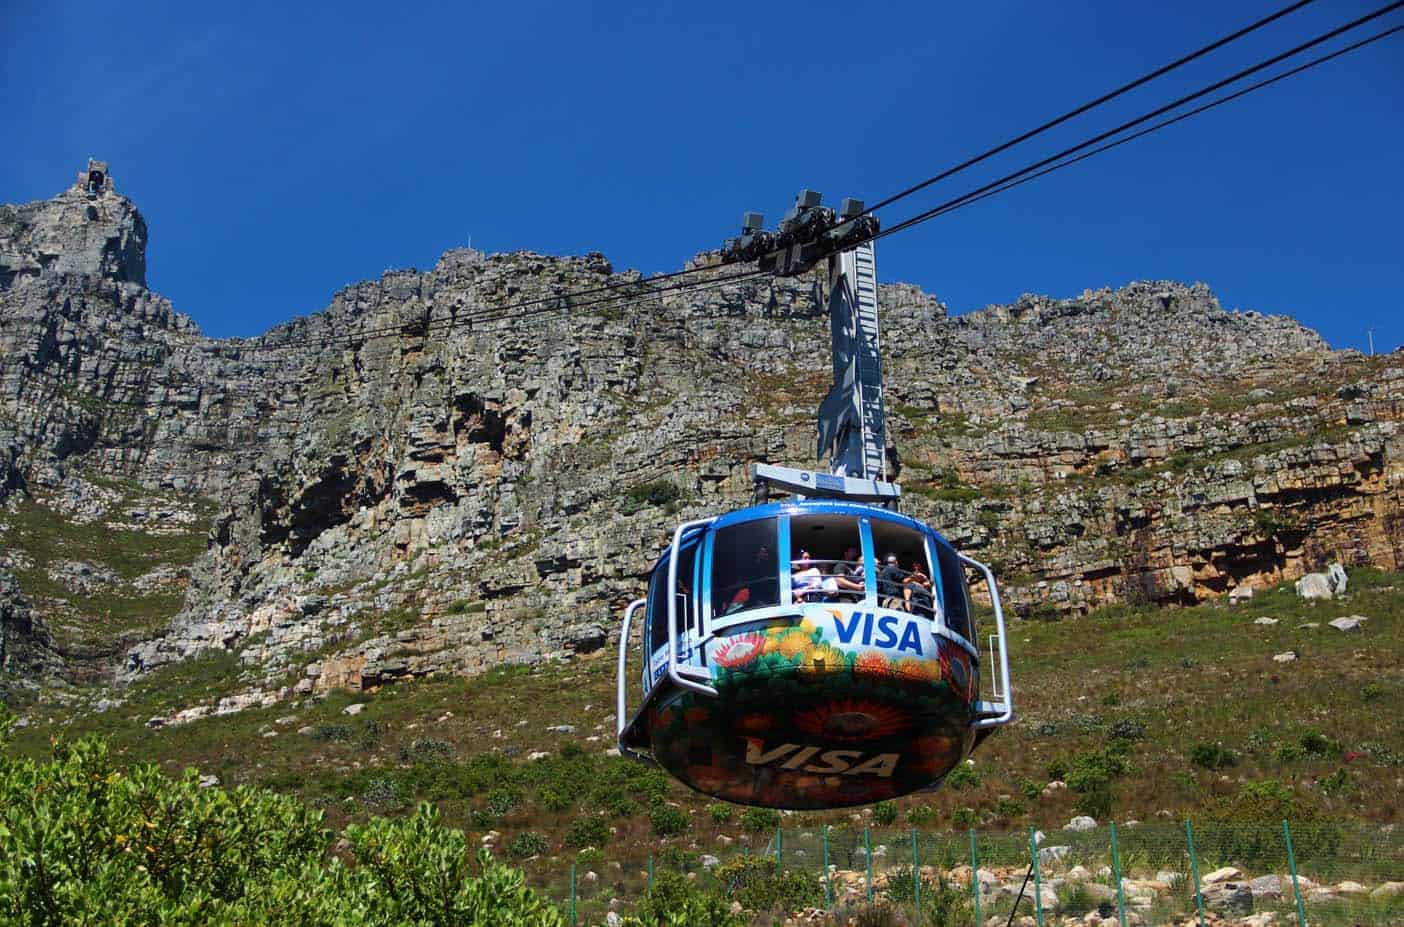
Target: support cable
1071	114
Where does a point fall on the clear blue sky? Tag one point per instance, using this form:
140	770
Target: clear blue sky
280	151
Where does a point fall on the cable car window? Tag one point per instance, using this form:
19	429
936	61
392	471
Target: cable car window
955	589
686	590
745	567
657	608
904	574
828	559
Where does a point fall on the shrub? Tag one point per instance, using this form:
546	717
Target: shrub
337	733
527	843
756	882
590	856
1058	769
1289	752
1212	756
756	820
964	818
674	900
1009	808
661	493
426	749
587	832
502	801
382	793
963	777
553	798
884	813
1318	744
241	856
1126	729
921	815
719	812
666	820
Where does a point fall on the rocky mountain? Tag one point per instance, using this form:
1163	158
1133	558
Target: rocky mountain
403	484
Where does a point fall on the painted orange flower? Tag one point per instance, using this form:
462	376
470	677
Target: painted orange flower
739	651
916	670
852	720
872	663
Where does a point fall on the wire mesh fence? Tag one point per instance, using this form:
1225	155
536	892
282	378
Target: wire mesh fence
1105	876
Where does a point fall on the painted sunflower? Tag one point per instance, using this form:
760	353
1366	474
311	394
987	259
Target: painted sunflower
792	643
852	720
913	669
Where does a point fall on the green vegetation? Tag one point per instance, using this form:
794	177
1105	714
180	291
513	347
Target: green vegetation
82	841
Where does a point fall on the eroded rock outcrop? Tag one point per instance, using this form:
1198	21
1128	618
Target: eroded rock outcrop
412	482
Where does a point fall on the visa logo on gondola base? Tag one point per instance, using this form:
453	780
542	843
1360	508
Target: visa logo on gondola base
819	761
872	630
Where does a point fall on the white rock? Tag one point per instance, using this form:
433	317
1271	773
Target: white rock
354	709
1261	919
538	755
1053	854
1265	620
1287	657
1351	888
709	861
1387	890
1081	823
1347	623
1079	874
1226	874
209	782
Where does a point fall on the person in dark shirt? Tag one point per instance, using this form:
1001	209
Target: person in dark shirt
847	575
890	581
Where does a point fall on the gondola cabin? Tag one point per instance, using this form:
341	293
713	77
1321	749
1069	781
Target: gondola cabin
810	654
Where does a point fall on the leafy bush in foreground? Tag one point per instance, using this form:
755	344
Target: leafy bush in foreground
84	842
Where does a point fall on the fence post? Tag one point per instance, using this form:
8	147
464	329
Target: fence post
572	895
916	872
1038	885
779	847
1116	872
828	881
1296	887
1194	870
975	876
868	852
650	870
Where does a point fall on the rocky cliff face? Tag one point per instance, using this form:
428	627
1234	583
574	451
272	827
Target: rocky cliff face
394	494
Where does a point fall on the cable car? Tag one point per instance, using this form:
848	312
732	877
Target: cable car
819	651
791	663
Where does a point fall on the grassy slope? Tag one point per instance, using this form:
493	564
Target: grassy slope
1191	676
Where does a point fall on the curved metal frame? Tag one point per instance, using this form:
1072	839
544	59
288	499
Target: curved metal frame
1004	712
621	707
675	667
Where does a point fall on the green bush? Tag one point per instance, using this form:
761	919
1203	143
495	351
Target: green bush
963	777
662	493
884	813
82	841
666	820
587	832
337	733
921	815
527	843
719	812
757	820
503	801
1318	744
675	901
758	884
1212	756
964	818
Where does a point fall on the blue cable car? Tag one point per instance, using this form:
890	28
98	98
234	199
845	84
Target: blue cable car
818	652
849	675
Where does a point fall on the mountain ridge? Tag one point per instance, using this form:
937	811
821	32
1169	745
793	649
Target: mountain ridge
409	504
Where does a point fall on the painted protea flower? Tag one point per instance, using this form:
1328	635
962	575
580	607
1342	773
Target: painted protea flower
851	720
740	651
